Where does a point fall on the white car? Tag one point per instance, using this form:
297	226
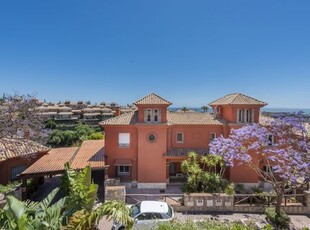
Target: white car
146	213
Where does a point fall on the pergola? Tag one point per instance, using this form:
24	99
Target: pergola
90	153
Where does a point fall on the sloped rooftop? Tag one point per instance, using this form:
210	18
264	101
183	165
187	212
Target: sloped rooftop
237	99
124	119
152	99
18	147
192	118
90	153
188	118
54	161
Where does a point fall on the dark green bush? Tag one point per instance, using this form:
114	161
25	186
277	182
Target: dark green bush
281	221
239	189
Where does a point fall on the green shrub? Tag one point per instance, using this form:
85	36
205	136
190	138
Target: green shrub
281	221
31	187
9	187
172	225
239	189
203	225
268	227
230	189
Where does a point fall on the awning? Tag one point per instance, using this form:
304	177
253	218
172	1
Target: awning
123	162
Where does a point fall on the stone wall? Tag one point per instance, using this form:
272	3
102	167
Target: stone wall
204	202
112	182
115	193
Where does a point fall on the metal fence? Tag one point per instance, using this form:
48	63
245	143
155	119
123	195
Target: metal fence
268	200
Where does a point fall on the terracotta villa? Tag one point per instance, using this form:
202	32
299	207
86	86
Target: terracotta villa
146	147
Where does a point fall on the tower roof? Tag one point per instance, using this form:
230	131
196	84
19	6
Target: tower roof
237	99
152	99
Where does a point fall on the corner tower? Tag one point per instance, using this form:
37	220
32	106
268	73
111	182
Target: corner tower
237	108
152	109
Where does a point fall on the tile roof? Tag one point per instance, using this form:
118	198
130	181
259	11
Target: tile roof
183	152
123	119
152	99
54	161
190	118
237	99
17	147
173	118
90	153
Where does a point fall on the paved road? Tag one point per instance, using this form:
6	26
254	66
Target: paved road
298	221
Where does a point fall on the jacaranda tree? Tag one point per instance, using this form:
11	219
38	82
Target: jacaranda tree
281	145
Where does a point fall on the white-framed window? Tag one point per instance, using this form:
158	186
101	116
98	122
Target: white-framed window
245	115
240	115
248	115
180	137
212	136
148	115
270	140
124	169
152	115
124	139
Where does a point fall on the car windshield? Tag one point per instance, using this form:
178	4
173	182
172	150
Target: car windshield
169	213
135	209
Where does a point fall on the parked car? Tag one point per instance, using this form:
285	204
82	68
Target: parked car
146	213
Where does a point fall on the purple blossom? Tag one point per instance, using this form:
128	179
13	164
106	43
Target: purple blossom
289	156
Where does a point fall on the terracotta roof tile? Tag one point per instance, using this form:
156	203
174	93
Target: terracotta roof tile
123	119
190	118
90	153
237	99
10	148
54	161
152	99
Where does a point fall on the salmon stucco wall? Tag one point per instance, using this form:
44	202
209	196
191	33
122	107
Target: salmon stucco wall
194	136
6	166
151	163
113	152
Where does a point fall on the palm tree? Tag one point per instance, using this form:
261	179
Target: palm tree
205	108
184	109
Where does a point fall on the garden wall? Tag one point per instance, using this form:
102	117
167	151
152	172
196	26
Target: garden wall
115	193
205	202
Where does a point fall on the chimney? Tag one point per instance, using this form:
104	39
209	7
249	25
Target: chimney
117	111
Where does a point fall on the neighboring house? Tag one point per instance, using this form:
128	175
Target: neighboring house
69	113
146	147
16	155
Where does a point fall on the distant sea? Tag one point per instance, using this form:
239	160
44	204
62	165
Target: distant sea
273	110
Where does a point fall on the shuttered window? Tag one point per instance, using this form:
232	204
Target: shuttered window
124	139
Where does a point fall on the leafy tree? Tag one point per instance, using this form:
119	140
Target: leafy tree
50	124
74	211
32	215
82	196
19	120
288	156
81	132
95	136
204	174
205	108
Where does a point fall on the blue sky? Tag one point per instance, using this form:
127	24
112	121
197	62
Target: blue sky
190	52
